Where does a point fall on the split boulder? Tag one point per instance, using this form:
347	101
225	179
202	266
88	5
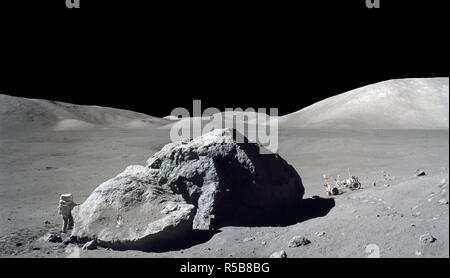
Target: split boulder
200	184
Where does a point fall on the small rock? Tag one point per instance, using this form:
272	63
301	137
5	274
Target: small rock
373	250
248	239
427	238
278	255
9	219
297	241
90	245
435	218
386	185
443	201
358	216
444	192
19	244
420	173
418	253
54	238
430	199
263	243
47	222
374	184
322	233
413	225
417	213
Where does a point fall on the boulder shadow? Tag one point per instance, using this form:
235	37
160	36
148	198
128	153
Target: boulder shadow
190	239
306	209
311	208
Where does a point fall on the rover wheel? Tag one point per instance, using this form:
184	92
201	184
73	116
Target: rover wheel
335	191
356	185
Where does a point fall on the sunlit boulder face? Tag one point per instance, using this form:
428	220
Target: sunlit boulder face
201	184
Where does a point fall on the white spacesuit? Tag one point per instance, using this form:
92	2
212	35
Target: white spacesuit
65	207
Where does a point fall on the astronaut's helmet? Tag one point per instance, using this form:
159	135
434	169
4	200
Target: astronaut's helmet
66	197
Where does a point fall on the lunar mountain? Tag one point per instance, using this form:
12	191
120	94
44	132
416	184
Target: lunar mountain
416	103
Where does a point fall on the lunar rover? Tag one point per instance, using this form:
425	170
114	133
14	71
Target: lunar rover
351	183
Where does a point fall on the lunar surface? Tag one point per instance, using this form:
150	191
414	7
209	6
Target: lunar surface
392	135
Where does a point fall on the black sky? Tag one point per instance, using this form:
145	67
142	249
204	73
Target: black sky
151	59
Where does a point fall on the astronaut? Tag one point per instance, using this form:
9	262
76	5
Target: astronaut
65	207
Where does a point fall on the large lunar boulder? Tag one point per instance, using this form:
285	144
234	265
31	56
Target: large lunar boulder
202	184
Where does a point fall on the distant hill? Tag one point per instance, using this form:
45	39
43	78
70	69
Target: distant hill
21	113
418	103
